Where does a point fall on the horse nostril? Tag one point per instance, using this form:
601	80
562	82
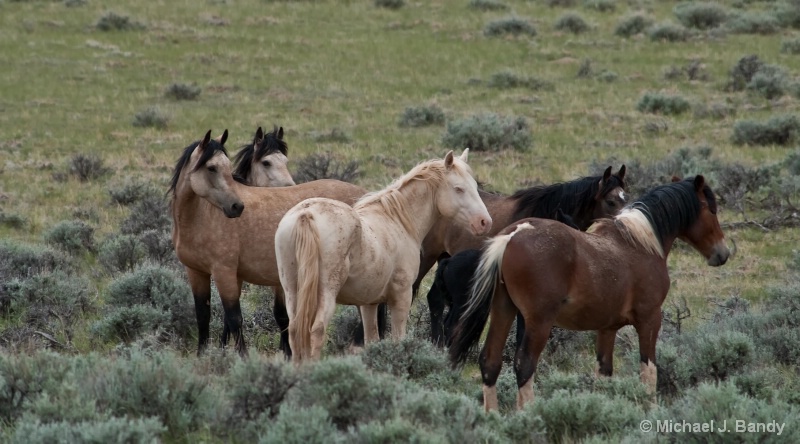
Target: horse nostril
238	207
483	222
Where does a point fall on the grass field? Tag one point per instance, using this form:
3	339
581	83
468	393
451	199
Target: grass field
69	88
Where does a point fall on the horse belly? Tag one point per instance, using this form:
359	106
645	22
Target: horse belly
591	312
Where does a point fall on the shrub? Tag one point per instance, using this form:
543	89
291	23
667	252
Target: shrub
790	46
607	76
700	15
151	117
668	32
753	23
488	132
779	130
24	378
151	212
341	330
742	73
507	79
126	430
575	416
87	167
391	431
788	14
258	387
111	21
12	220
511	25
301	425
718	354
131	192
121	253
409	358
130	323
21	261
572	22
600	5
325	166
390	4
561	3
770	81
53	301
422	116
452	417
487	5
656	103
524	426
335	135
182	91
74	3
158	246
347	390
632	25
718	110
72	236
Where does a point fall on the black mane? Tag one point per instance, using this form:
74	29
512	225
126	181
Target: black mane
574	198
244	158
674	207
211	149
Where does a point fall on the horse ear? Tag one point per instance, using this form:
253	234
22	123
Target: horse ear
464	155
205	140
448	159
221	139
280	133
621	172
259	136
606	175
699	182
676	178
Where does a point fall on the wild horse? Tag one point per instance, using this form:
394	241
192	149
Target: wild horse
236	244
580	201
330	253
613	275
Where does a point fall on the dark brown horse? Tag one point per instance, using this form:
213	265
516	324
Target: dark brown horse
236	244
582	201
613	275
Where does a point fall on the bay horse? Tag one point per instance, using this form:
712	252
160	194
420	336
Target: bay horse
330	253
582	201
263	163
451	287
613	275
236	244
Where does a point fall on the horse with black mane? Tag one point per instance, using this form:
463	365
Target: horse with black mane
613	275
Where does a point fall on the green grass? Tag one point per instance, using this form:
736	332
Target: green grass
68	88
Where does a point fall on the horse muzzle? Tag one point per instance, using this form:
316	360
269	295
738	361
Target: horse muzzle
721	254
481	225
233	210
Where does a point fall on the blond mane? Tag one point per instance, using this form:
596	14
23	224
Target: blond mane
635	228
394	202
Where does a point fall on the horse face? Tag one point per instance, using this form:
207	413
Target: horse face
611	196
271	171
705	234
213	181
458	198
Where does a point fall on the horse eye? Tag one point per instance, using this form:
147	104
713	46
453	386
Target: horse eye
611	203
459	190
212	169
266	163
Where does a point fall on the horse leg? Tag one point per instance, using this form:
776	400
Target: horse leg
648	334
201	290
527	358
605	352
401	306
325	313
230	287
369	314
436	304
382	317
282	318
491	357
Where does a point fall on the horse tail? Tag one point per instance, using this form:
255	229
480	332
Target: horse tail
482	288
307	253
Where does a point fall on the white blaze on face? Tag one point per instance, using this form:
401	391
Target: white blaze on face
622	196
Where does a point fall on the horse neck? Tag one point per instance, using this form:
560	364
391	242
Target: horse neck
420	213
187	206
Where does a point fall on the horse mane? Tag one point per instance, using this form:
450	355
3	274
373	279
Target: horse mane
244	158
431	173
573	198
211	149
664	211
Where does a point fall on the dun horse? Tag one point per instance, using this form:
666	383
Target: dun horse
613	275
331	253
581	201
263	162
237	243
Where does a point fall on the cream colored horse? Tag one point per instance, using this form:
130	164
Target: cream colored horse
263	163
237	243
331	253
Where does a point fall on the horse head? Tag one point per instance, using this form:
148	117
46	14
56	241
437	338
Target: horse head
611	196
705	234
210	175
458	198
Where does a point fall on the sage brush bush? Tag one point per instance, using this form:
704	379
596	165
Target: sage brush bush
571	22
779	130
422	116
507	79
487	5
257	387
770	81
72	236
700	15
325	166
390	4
121	253
656	103
753	23
743	71
150	212
632	25
12	220
141	430
182	91
20	261
310	425
151	117
111	21
410	358
601	5
668	32
87	167
790	46
512	25
131	192
488	132
335	135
